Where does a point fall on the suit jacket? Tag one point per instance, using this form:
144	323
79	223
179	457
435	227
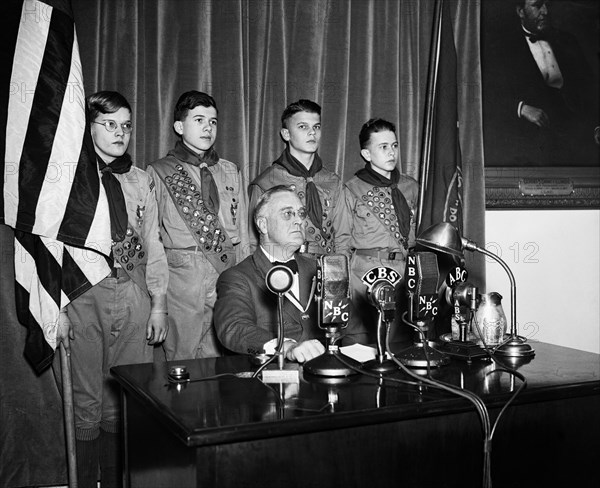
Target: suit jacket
511	75
245	314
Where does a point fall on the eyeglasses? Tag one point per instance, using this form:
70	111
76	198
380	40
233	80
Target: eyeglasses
111	126
288	214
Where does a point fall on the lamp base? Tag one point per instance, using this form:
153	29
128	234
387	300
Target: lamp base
420	355
516	347
329	364
466	350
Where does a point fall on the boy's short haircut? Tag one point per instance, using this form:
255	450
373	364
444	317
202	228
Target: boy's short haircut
373	125
189	101
301	105
105	102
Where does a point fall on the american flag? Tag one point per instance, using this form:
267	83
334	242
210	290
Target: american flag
52	193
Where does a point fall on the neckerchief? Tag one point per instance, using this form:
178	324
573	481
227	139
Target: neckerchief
210	193
401	207
117	208
296	168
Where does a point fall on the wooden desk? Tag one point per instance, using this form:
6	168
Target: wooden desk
235	432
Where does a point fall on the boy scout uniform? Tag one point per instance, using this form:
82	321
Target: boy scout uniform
200	243
373	234
111	318
319	239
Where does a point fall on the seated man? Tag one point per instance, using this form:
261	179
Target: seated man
246	311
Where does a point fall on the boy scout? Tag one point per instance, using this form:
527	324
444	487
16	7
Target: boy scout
204	225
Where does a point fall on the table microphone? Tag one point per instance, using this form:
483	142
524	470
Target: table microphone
279	280
333	313
333	292
422	274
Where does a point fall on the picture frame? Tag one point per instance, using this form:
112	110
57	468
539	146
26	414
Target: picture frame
530	165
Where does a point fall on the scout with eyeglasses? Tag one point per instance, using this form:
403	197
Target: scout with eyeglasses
119	320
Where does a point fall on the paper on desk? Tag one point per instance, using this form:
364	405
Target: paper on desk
359	352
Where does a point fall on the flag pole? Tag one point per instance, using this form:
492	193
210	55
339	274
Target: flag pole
67	387
434	58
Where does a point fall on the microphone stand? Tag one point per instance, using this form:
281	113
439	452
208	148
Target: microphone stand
329	363
420	354
279	348
279	280
383	295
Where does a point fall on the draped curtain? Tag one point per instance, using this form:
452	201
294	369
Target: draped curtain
357	58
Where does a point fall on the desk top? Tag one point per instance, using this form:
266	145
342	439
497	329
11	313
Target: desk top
230	409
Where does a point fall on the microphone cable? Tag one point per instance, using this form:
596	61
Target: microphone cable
480	407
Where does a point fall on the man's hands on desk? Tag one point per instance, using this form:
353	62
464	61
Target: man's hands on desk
302	351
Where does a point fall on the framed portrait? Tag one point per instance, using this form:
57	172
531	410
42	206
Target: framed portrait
540	88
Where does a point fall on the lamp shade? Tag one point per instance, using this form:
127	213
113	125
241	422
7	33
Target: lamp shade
442	237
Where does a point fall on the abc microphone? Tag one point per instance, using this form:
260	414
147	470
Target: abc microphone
333	309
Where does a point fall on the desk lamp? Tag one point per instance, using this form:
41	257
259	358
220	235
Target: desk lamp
444	237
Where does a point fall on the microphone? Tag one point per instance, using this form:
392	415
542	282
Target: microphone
333	313
279	280
333	292
424	267
422	276
381	285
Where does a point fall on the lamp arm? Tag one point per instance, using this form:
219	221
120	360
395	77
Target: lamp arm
471	246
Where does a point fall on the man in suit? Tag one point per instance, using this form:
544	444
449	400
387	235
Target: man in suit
246	311
542	101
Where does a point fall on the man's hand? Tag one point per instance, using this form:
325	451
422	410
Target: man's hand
535	115
65	332
157	328
302	351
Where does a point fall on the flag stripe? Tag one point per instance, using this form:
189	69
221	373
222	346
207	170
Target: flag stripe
52	193
26	67
75	281
44	118
37	350
8	39
43	256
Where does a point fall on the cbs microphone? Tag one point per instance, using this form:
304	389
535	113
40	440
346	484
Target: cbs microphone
381	283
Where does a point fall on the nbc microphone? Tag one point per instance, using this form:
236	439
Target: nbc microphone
422	283
333	291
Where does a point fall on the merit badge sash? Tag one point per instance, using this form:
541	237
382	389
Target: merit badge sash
204	226
382	207
131	254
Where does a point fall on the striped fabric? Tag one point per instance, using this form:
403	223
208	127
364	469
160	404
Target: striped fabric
52	194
